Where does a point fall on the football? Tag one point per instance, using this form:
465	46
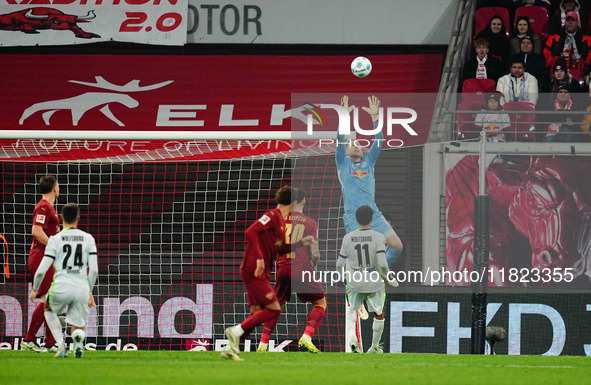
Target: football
361	67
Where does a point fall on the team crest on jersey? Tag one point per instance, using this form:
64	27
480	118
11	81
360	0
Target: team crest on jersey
264	219
40	218
360	174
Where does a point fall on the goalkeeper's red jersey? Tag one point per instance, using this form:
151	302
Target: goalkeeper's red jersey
266	239
45	216
298	226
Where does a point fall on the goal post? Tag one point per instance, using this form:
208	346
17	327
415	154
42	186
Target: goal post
169	225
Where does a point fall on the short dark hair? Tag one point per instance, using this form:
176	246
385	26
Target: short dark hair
301	195
47	183
518	59
364	215
286	194
70	212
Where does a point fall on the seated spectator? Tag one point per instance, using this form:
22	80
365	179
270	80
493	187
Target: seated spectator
523	28
585	127
518	85
559	75
534	63
569	44
563	128
494	124
496	36
558	20
482	66
525	3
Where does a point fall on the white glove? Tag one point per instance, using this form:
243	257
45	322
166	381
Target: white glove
373	109
345	103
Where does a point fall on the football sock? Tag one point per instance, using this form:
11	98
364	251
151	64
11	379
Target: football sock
351	315
237	330
392	255
37	319
79	332
268	328
55	326
378	329
314	320
259	317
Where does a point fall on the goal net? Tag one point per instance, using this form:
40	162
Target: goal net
169	221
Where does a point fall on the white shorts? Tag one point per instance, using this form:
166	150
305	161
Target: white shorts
375	301
75	297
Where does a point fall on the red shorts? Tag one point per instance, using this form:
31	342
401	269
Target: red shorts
285	281
258	289
47	280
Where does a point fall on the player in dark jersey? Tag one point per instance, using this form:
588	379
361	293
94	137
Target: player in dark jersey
266	239
45	224
290	268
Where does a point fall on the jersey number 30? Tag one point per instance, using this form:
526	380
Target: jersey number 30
77	256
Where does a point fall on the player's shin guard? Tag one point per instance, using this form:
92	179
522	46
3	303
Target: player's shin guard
54	324
260	317
378	329
392	255
314	320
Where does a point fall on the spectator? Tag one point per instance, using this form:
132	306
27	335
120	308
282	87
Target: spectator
569	44
559	75
493	123
523	28
518	85
563	128
585	127
558	20
534	63
496	35
482	66
539	3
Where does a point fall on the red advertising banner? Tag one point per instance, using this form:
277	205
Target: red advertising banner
80	97
540	219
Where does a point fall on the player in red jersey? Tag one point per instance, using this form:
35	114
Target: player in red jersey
45	224
266	239
289	275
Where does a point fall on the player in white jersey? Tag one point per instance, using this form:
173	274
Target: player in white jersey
73	253
362	260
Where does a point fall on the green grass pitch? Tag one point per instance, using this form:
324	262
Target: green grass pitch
167	367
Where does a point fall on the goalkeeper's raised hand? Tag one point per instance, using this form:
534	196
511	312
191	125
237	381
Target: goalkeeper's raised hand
374	108
345	103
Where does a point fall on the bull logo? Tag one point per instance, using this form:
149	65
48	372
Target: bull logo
79	105
34	19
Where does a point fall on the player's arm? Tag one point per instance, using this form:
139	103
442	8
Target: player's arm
342	259
92	272
341	151
39	235
289	247
314	251
373	110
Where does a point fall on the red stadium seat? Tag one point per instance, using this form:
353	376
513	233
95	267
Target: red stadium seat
525	124
484	14
465	127
474	89
538	18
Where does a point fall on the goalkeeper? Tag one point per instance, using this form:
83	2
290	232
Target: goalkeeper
356	174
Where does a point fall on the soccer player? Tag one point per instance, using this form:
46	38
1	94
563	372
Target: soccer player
266	239
356	174
73	254
362	258
45	224
290	269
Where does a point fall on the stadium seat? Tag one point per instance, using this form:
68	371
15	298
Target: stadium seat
474	89
525	124
484	14
465	128
538	18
